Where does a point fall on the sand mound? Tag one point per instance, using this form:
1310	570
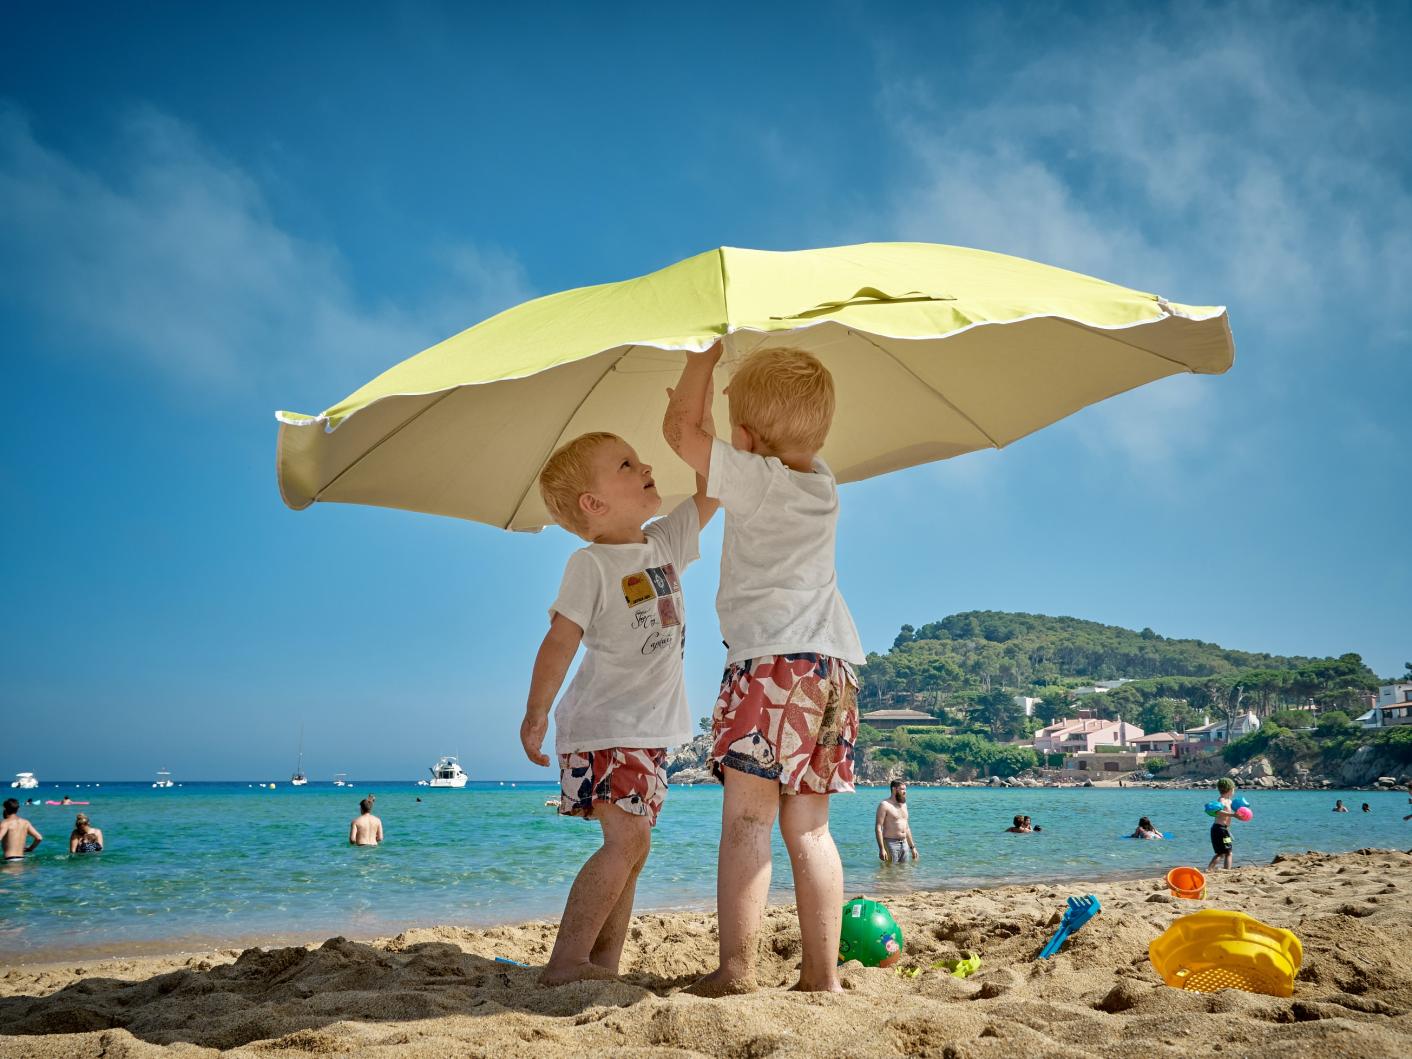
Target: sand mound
438	992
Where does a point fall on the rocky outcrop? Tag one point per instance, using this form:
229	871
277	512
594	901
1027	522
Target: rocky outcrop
1370	765
689	757
689	777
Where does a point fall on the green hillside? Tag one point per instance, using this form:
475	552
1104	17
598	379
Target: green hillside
967	669
960	662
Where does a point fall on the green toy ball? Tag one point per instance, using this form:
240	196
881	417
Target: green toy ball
870	935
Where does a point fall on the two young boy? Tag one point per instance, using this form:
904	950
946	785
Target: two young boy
786	718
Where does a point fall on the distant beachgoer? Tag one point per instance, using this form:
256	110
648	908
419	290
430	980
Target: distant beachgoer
1339	807
85	838
66	800
892	828
1222	845
1030	825
366	829
1146	830
1017	826
14	829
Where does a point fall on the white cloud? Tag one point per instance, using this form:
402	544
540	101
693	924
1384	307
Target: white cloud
172	257
1212	155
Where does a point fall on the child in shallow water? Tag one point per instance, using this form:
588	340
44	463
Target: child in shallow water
1146	830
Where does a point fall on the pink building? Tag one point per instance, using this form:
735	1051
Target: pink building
1072	736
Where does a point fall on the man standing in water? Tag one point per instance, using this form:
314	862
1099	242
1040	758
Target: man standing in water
894	833
14	830
366	829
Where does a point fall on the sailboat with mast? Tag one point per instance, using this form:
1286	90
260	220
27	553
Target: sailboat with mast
299	779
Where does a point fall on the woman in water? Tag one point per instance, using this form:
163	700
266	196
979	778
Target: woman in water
1146	830
83	838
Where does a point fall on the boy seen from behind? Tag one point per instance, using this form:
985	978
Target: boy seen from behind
786	718
621	598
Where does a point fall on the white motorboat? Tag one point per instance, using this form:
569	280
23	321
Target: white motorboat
448	773
340	779
299	779
25	781
164	779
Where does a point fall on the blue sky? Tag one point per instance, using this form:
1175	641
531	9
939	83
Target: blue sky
206	215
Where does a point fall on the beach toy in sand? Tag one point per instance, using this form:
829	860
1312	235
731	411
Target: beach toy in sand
512	963
967	965
1079	912
1212	950
1186	882
1244	814
870	935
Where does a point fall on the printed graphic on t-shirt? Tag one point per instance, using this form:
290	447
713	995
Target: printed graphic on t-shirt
667	611
637	588
660	581
670	572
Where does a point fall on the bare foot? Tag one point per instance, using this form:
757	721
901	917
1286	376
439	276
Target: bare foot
718	984
831	986
575	972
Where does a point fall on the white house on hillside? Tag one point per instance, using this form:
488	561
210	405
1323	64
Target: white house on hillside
1158	743
1217	733
1394	707
1390	694
1100	687
1026	703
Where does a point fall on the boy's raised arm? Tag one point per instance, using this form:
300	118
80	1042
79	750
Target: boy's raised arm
555	656
682	426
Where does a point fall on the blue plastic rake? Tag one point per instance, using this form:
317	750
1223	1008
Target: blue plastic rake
1079	912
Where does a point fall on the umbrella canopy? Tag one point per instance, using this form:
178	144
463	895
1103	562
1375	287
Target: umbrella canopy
935	351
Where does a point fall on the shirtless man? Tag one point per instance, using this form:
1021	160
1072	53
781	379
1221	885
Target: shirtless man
366	829
894	833
14	830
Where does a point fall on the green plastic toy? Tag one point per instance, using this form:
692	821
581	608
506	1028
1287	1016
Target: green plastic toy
870	935
964	967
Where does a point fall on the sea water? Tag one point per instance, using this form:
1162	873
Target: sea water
230	863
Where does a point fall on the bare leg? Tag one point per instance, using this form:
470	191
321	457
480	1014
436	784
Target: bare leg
595	896
742	879
608	948
818	887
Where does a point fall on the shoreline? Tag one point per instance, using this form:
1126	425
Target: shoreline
436	990
206	946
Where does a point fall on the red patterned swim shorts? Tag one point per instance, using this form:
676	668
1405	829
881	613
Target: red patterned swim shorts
791	718
634	780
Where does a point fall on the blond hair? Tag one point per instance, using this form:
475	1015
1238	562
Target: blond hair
785	397
567	475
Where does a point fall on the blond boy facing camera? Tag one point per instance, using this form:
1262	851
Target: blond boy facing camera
621	598
786	717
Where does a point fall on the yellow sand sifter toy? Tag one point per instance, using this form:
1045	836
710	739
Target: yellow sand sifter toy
1212	950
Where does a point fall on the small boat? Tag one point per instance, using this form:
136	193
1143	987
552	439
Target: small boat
25	781
299	779
340	779
448	773
164	779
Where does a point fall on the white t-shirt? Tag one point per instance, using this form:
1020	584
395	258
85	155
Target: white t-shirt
779	589
629	690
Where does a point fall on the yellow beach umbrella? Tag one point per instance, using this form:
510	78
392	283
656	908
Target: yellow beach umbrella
935	351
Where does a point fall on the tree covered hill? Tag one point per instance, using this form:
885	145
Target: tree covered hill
960	659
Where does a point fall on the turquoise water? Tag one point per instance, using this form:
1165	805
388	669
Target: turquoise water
217	863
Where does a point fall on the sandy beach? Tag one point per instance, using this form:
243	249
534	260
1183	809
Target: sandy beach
436	992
